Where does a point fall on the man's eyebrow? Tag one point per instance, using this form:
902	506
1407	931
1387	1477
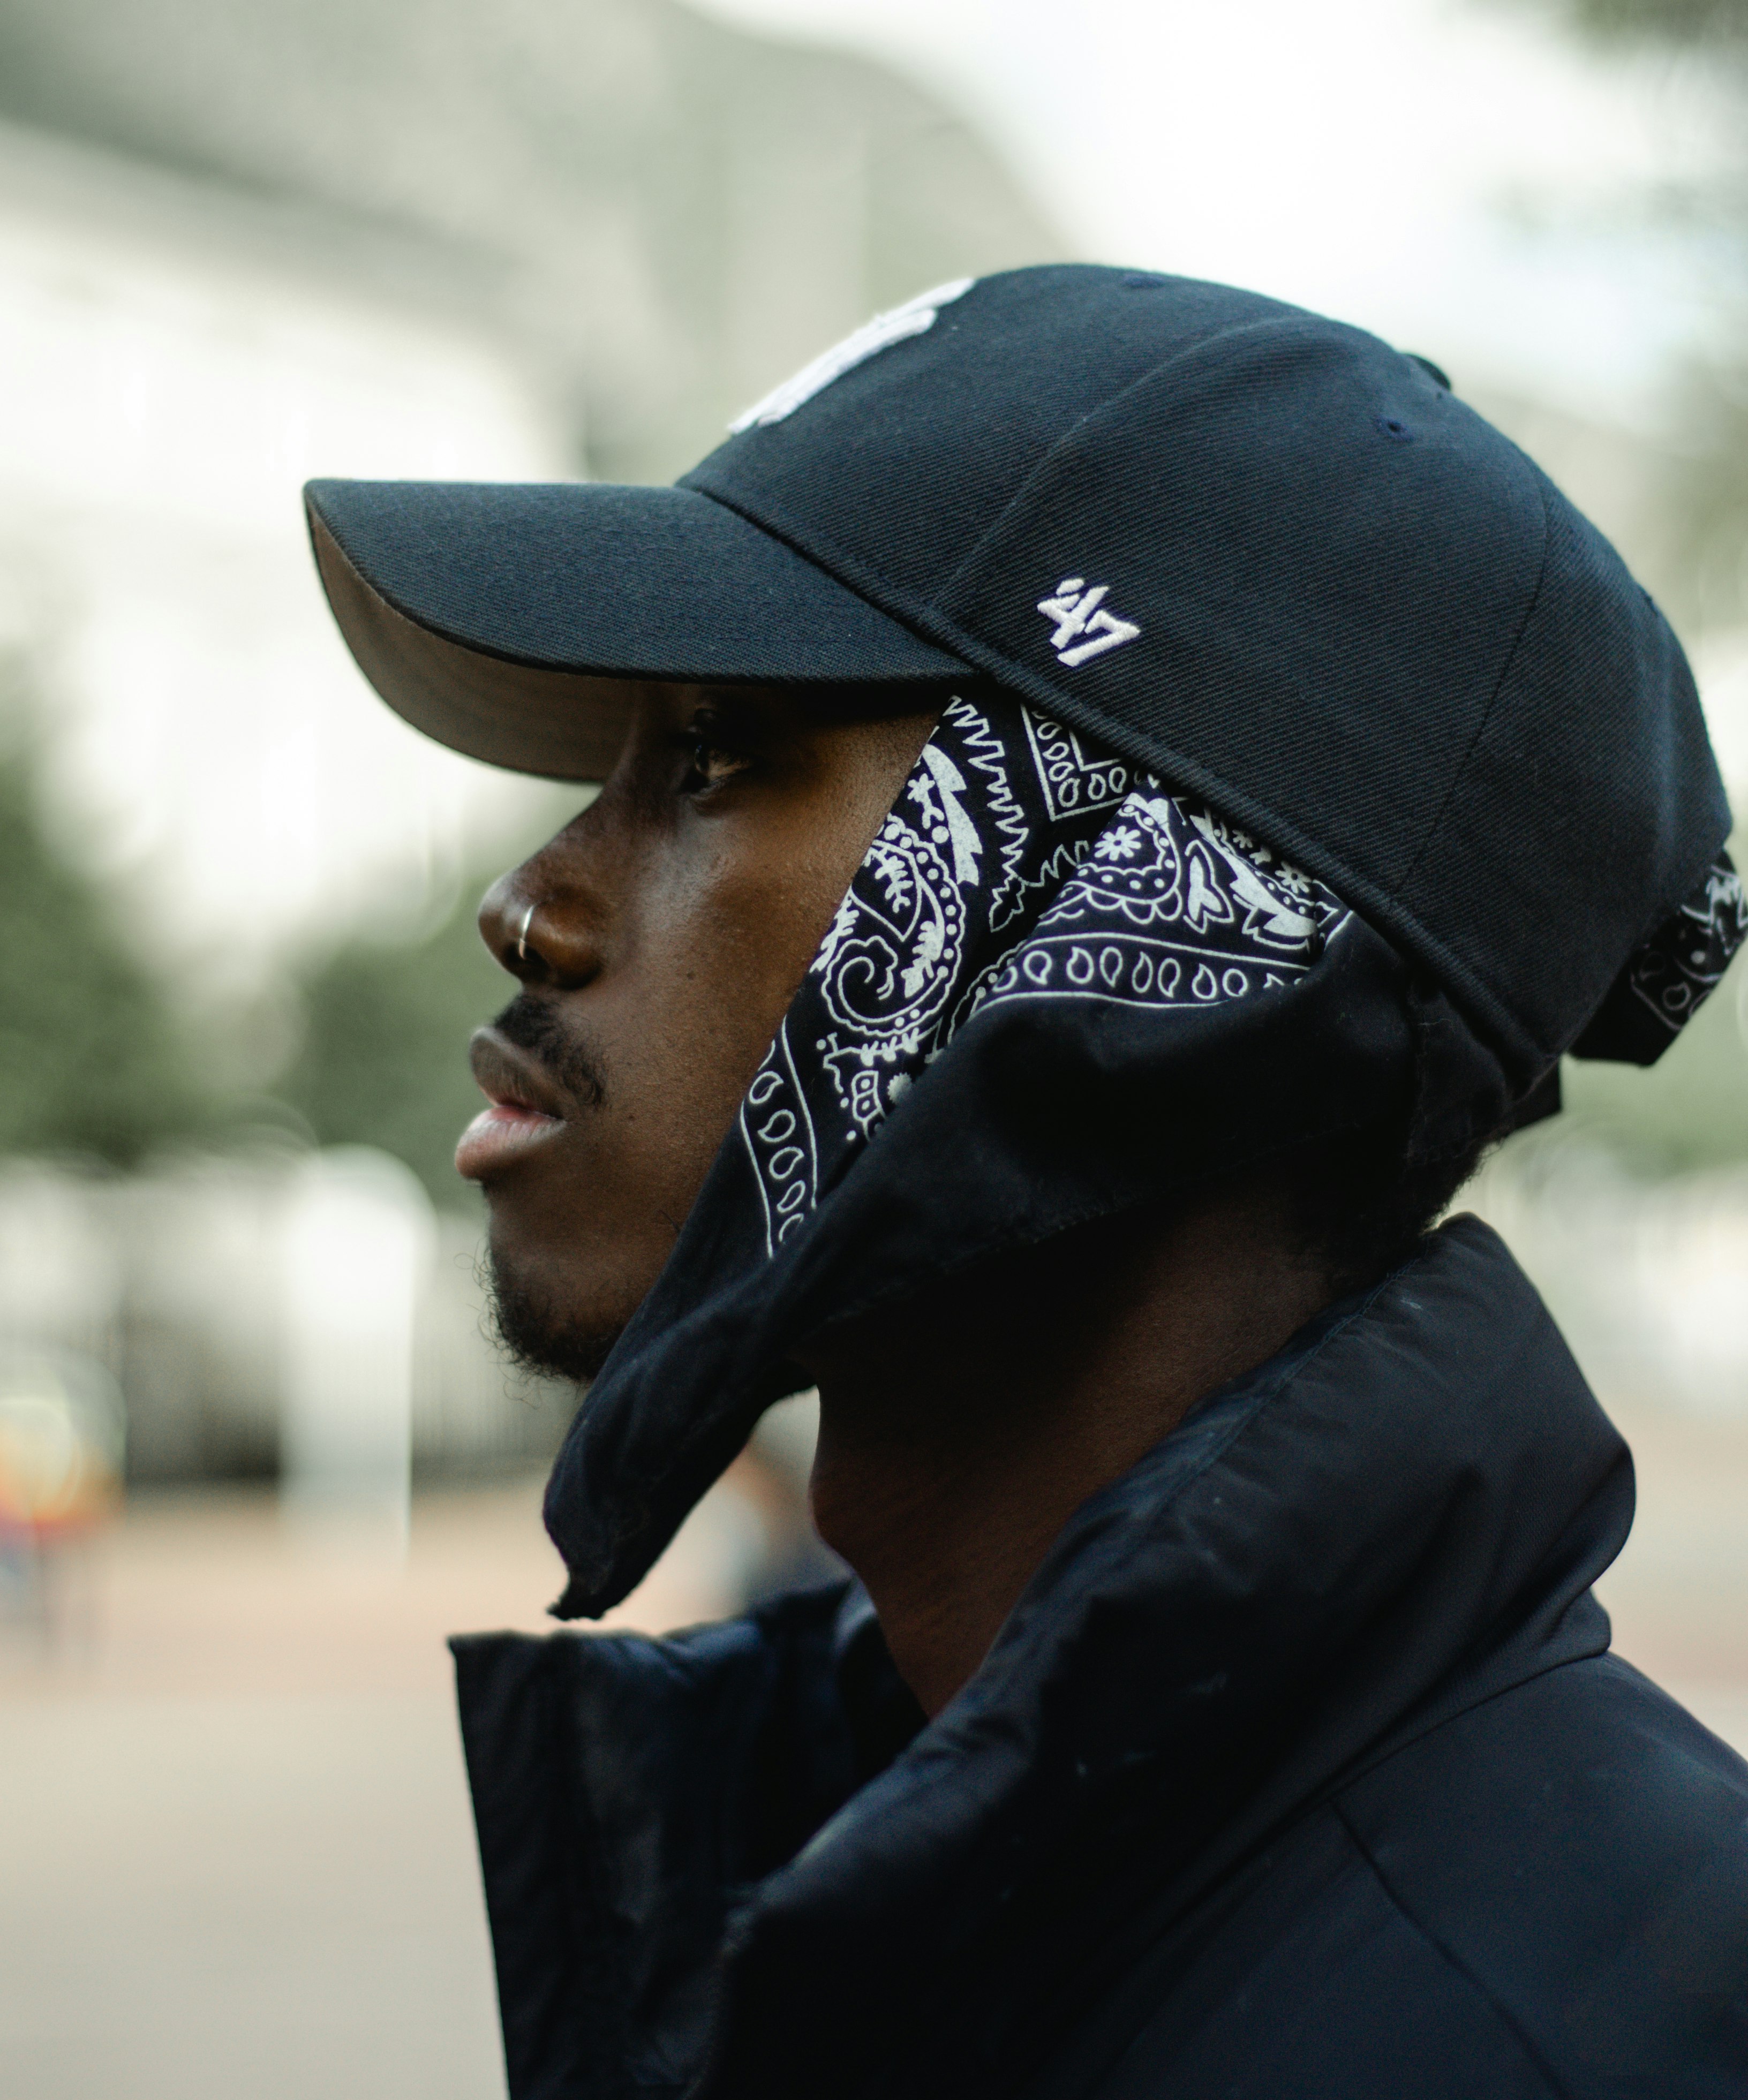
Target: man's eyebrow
750	703
732	699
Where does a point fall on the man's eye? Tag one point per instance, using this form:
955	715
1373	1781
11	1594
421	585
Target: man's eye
710	766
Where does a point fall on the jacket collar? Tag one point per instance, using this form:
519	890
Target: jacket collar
1399	1516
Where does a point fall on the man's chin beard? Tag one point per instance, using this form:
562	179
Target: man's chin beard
535	1334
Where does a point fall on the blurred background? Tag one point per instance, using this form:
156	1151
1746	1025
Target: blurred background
257	1454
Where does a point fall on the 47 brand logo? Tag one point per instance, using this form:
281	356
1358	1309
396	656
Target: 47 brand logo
1078	610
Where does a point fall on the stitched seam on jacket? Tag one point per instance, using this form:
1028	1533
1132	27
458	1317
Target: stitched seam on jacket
1399	1747
1454	1960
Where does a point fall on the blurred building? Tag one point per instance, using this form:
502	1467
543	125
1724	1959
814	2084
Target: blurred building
182	1286
176	360
664	215
239	248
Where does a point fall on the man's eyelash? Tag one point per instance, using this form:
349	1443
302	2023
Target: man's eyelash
704	745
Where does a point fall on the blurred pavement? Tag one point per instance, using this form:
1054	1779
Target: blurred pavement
238	1854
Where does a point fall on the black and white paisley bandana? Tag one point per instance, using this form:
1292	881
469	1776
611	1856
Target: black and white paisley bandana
1672	975
1051	989
1054	991
1021	864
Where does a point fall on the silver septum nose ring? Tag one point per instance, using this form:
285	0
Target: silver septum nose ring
522	934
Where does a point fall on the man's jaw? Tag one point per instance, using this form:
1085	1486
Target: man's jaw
535	1334
539	1079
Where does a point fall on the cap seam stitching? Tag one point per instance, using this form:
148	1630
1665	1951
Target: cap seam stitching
1191	355
1457	779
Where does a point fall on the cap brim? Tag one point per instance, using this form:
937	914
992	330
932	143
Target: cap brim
514	622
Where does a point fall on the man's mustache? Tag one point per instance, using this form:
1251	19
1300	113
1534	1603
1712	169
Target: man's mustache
532	1025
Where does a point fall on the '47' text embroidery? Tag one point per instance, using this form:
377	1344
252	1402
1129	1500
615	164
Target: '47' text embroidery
1078	610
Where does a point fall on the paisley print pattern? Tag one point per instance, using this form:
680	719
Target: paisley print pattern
1671	974
1679	966
1022	861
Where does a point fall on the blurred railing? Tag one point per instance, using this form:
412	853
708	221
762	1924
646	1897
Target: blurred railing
309	1317
312	1317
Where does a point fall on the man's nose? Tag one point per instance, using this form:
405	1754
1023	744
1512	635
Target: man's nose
541	931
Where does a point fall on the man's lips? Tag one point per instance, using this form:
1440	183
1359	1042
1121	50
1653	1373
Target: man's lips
527	1109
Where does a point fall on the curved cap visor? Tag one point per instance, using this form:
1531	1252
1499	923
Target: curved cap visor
509	621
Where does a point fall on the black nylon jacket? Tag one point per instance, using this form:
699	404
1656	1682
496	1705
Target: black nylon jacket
1300	1769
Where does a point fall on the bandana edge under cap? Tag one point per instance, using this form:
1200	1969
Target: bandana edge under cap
1024	870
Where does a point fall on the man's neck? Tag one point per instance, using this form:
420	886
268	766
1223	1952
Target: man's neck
957	1435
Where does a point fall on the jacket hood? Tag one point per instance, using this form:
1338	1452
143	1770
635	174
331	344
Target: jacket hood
1397	1518
1055	990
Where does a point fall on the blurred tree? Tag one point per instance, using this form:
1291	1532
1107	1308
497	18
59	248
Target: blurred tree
1685	21
1690	1111
384	1056
92	1060
1705	492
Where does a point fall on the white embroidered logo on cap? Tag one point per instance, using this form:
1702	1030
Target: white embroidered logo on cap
1076	610
915	317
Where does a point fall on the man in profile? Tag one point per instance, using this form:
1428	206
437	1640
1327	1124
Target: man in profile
1115	790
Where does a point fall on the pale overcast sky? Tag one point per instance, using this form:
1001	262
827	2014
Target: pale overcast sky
1443	172
1358	155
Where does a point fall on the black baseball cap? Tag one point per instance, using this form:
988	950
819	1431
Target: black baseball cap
1261	553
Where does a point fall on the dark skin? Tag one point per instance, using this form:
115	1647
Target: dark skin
660	939
955	1444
